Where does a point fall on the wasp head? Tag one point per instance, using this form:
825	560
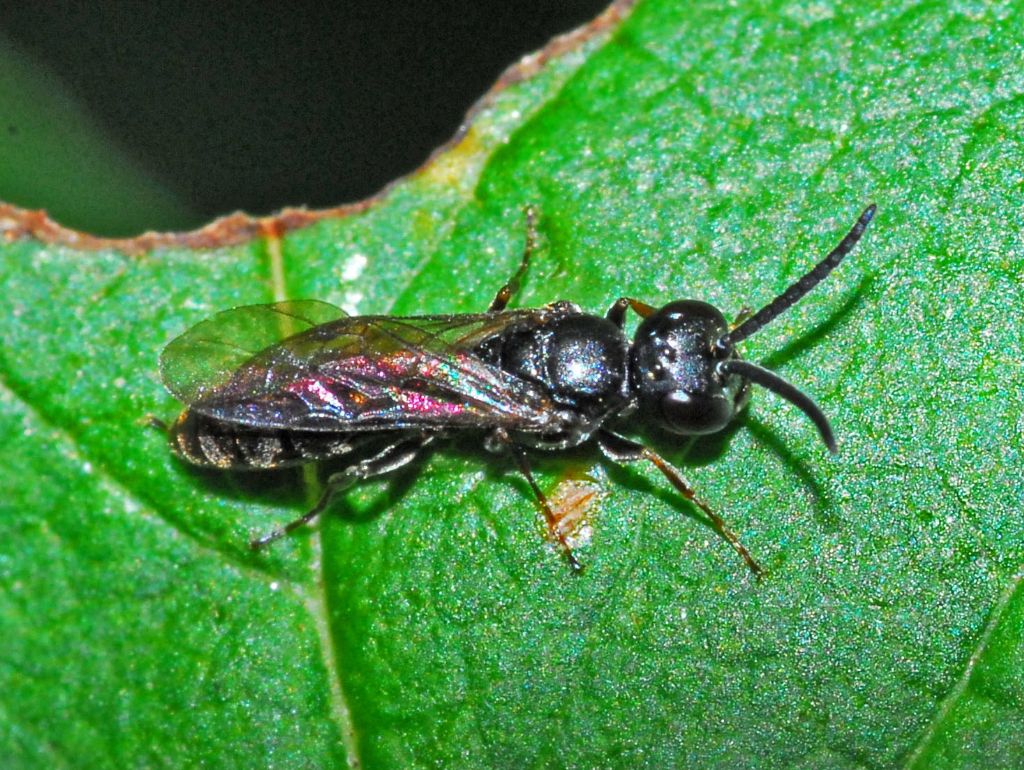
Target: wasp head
674	369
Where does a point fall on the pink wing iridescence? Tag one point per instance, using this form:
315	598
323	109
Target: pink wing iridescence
358	373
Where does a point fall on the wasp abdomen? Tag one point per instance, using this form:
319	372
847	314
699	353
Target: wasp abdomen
206	441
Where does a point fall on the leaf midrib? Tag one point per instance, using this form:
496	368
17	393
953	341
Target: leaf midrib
316	599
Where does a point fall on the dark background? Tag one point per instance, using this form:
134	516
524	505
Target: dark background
296	104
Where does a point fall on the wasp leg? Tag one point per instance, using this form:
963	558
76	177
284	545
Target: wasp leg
390	458
617	312
506	292
152	421
623	450
519	455
743	315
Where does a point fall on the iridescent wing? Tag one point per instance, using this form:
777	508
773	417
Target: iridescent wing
308	366
203	359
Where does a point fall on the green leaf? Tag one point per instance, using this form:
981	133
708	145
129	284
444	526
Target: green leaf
695	150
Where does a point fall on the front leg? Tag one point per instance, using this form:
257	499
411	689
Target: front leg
745	312
617	312
623	450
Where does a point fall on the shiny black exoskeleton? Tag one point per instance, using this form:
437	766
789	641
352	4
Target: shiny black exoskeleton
580	361
547	378
673	369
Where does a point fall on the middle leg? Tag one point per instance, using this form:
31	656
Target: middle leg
501	438
617	312
506	292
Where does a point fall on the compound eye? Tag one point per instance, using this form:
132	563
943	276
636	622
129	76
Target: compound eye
690	414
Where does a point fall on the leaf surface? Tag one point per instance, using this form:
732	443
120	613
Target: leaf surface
690	150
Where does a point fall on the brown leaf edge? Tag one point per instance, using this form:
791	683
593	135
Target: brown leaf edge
17	223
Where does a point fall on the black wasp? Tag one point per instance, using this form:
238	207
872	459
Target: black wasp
272	386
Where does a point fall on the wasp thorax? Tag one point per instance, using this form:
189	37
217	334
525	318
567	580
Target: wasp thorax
673	369
588	358
579	359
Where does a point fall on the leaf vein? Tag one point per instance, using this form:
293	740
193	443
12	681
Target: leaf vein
316	601
960	686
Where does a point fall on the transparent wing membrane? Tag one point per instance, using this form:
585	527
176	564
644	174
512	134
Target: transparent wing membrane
308	366
204	358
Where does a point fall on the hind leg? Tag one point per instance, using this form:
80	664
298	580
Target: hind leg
390	458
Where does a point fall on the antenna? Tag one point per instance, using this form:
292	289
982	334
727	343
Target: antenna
773	382
796	292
